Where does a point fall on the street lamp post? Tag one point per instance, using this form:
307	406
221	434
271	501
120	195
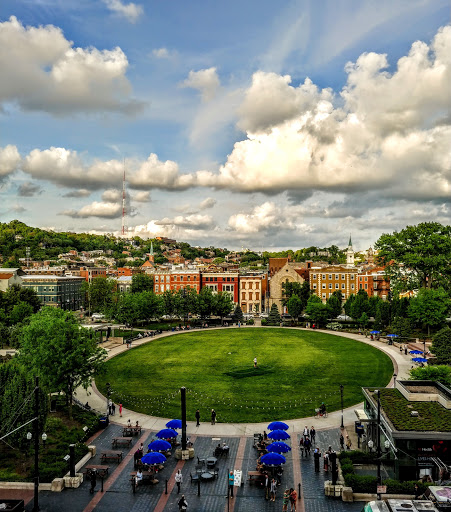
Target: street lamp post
394	379
36	446
108	394
341	393
378	438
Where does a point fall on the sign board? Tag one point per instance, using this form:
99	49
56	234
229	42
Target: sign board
237	474
381	489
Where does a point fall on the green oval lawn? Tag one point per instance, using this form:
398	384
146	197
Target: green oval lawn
297	370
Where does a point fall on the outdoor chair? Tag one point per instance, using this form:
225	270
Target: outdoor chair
194	478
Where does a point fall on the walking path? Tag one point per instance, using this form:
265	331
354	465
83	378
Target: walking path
401	365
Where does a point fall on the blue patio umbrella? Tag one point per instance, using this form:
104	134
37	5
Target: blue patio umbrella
278	425
413	352
419	360
159	446
273	459
278	435
278	447
174	424
375	332
153	458
166	433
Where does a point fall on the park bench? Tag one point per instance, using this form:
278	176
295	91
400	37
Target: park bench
148	477
111	455
131	431
255	476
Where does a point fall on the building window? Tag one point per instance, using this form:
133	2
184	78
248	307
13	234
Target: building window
324	286
360	286
314	286
157	288
251	296
337	286
244	285
337	276
314	276
324	276
257	296
243	296
181	278
330	276
352	286
188	278
343	276
330	286
366	278
342	286
324	295
366	286
352	277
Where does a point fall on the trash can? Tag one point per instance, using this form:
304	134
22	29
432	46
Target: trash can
104	421
359	430
357	425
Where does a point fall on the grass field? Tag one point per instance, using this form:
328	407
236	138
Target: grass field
297	370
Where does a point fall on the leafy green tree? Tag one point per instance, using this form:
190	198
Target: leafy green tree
317	312
348	304
60	352
440	373
17	403
238	315
223	304
424	249
401	326
301	290
429	307
372	305
142	283
363	320
360	304
274	315
186	301
99	294
382	318
20	312
295	307
441	345
169	303
335	305
205	302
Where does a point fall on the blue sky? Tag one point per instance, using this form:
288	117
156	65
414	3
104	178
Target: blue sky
242	124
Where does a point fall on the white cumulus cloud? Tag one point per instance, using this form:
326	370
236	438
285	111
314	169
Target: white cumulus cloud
9	160
206	81
43	71
131	11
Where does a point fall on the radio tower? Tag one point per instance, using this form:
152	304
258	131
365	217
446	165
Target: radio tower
124	229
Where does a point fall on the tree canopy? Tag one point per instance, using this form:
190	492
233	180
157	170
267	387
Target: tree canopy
59	351
441	345
417	256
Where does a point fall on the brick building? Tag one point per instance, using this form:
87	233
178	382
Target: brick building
325	280
222	282
252	292
58	291
176	280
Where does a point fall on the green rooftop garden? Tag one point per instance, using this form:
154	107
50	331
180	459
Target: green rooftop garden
431	415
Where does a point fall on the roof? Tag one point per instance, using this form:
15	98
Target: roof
6	276
51	277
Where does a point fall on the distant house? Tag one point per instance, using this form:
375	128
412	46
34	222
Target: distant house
10	277
58	291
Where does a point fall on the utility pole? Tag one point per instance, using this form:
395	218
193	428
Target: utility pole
379	454
36	446
183	404
341	393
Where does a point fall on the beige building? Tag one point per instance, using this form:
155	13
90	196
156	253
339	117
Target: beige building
10	277
289	273
251	293
326	280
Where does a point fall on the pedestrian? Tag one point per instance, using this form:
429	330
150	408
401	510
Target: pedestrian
267	486
313	434
178	480
113	409
286	500
316	457
307	446
120	410
293	500
273	489
93	480
405	350
342	442
400	348
326	461
182	503
301	446
197	415
348	443
255	362
305	432
110	407
231	483
213	416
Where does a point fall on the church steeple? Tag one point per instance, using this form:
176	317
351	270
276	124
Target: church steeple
350	241
350	254
151	255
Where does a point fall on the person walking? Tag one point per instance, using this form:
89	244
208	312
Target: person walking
213	416
255	362
182	503
342	442
120	410
286	500
348	443
197	415
293	500
313	434
267	486
326	461
178	480
307	446
113	409
273	489
231	483
316	457
301	446
93	480
305	432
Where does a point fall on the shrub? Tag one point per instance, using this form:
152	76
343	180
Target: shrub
264	321
334	326
361	483
356	457
347	468
250	321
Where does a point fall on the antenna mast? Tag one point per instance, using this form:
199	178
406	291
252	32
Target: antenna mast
124	229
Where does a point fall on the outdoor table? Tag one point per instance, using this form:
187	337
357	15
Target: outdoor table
207	476
148	476
211	462
122	440
131	431
100	468
111	455
254	476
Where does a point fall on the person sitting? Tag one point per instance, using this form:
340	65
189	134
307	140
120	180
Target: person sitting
129	423
322	409
265	435
218	450
139	476
137	423
225	448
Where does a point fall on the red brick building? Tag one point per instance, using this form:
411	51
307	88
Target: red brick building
222	282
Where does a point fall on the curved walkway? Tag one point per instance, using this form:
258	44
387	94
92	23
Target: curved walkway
401	364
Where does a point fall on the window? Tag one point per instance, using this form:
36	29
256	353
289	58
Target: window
181	278
330	276
314	276
342	286
324	286
188	278
352	286
324	276
343	277
324	295
257	296
366	278
352	277
366	286
243	296
228	279
244	285
157	288
337	286
251	296
168	287
314	286
330	286
337	276
360	286
167	279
